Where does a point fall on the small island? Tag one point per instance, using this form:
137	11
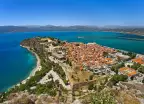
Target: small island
78	73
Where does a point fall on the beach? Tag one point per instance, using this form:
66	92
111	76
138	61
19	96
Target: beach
32	73
37	68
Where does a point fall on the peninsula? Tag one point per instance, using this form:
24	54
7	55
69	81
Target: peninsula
78	73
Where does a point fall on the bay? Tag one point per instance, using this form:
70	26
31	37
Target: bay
16	63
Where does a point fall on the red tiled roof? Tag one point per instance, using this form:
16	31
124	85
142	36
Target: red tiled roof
139	60
127	71
90	54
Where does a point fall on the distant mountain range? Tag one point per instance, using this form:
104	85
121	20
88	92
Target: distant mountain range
46	28
37	28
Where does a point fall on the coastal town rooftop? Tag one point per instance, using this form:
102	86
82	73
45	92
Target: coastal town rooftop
127	71
139	60
91	54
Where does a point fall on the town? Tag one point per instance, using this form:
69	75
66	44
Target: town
74	73
101	60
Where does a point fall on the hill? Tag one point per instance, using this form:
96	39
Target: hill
37	28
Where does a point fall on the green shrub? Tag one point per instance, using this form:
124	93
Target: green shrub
103	97
116	78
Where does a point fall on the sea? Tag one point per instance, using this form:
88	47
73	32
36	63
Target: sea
16	63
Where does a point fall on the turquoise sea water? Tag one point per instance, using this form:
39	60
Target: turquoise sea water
16	62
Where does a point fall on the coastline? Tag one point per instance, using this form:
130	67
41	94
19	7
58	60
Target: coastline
34	70
126	33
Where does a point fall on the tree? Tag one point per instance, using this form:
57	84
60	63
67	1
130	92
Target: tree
141	69
116	78
135	66
116	67
131	54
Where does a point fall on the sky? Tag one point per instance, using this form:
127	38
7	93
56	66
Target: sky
72	12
